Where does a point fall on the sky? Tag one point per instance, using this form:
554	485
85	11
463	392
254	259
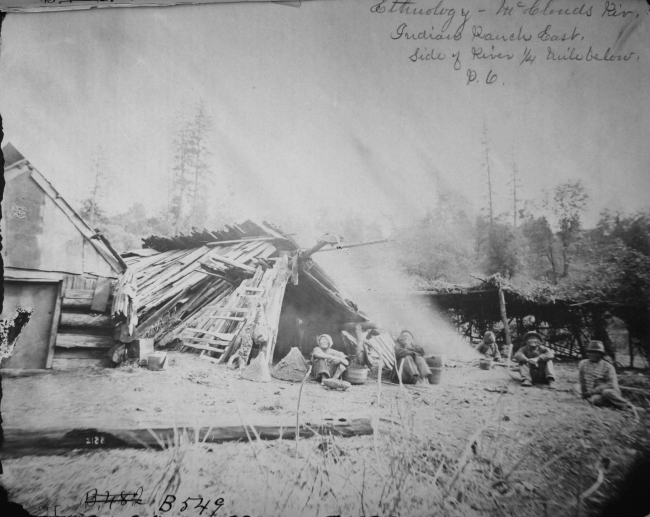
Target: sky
320	106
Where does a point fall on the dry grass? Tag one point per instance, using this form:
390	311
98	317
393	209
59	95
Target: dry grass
494	465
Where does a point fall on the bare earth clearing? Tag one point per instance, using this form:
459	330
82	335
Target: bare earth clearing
459	448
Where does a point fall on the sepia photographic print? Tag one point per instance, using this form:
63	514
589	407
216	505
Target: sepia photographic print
325	258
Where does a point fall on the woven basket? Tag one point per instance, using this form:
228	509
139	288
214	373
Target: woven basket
355	375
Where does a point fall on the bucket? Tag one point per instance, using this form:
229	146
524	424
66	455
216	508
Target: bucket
434	378
485	363
157	361
435	361
355	375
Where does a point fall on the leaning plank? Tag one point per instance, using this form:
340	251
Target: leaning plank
69	319
22	442
83	340
231	318
101	294
233	263
207	348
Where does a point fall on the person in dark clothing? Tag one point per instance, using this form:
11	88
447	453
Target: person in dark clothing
535	361
410	358
489	347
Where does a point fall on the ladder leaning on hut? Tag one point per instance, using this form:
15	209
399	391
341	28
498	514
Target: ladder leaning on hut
217	330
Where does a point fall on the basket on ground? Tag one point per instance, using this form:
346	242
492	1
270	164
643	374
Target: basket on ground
355	375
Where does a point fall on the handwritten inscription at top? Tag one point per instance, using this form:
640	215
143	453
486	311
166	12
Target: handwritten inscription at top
524	32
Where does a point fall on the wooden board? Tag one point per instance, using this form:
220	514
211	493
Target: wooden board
22	442
76	304
79	353
78	294
101	294
218	335
83	341
69	319
55	327
34	345
60	363
231	318
207	348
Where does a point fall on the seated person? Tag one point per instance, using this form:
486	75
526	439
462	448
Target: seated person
327	363
535	361
489	347
598	381
411	359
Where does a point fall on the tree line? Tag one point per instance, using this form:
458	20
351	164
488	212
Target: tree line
192	197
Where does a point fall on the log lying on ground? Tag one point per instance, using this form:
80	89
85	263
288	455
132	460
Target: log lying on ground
21	442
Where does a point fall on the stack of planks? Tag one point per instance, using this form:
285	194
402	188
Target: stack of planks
178	284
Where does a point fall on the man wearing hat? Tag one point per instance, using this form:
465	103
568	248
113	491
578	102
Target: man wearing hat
598	381
535	361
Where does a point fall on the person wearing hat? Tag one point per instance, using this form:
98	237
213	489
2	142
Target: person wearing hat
489	347
410	364
327	363
535	361
598	381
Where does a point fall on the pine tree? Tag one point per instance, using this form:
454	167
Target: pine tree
90	208
200	129
180	178
489	174
192	180
516	186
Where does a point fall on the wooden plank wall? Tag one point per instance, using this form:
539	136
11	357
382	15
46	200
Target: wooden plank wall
85	330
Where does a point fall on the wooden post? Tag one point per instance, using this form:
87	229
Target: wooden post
504	319
273	306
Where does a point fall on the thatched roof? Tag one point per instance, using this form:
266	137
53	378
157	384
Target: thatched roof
538	294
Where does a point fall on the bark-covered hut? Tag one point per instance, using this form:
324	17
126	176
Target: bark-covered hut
228	291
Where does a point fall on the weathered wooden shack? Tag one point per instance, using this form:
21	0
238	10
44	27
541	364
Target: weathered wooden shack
57	265
215	291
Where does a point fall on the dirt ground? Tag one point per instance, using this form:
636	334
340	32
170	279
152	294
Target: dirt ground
476	444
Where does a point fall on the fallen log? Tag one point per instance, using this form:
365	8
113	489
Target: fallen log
45	442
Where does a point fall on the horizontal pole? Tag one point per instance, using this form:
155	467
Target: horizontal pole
352	245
